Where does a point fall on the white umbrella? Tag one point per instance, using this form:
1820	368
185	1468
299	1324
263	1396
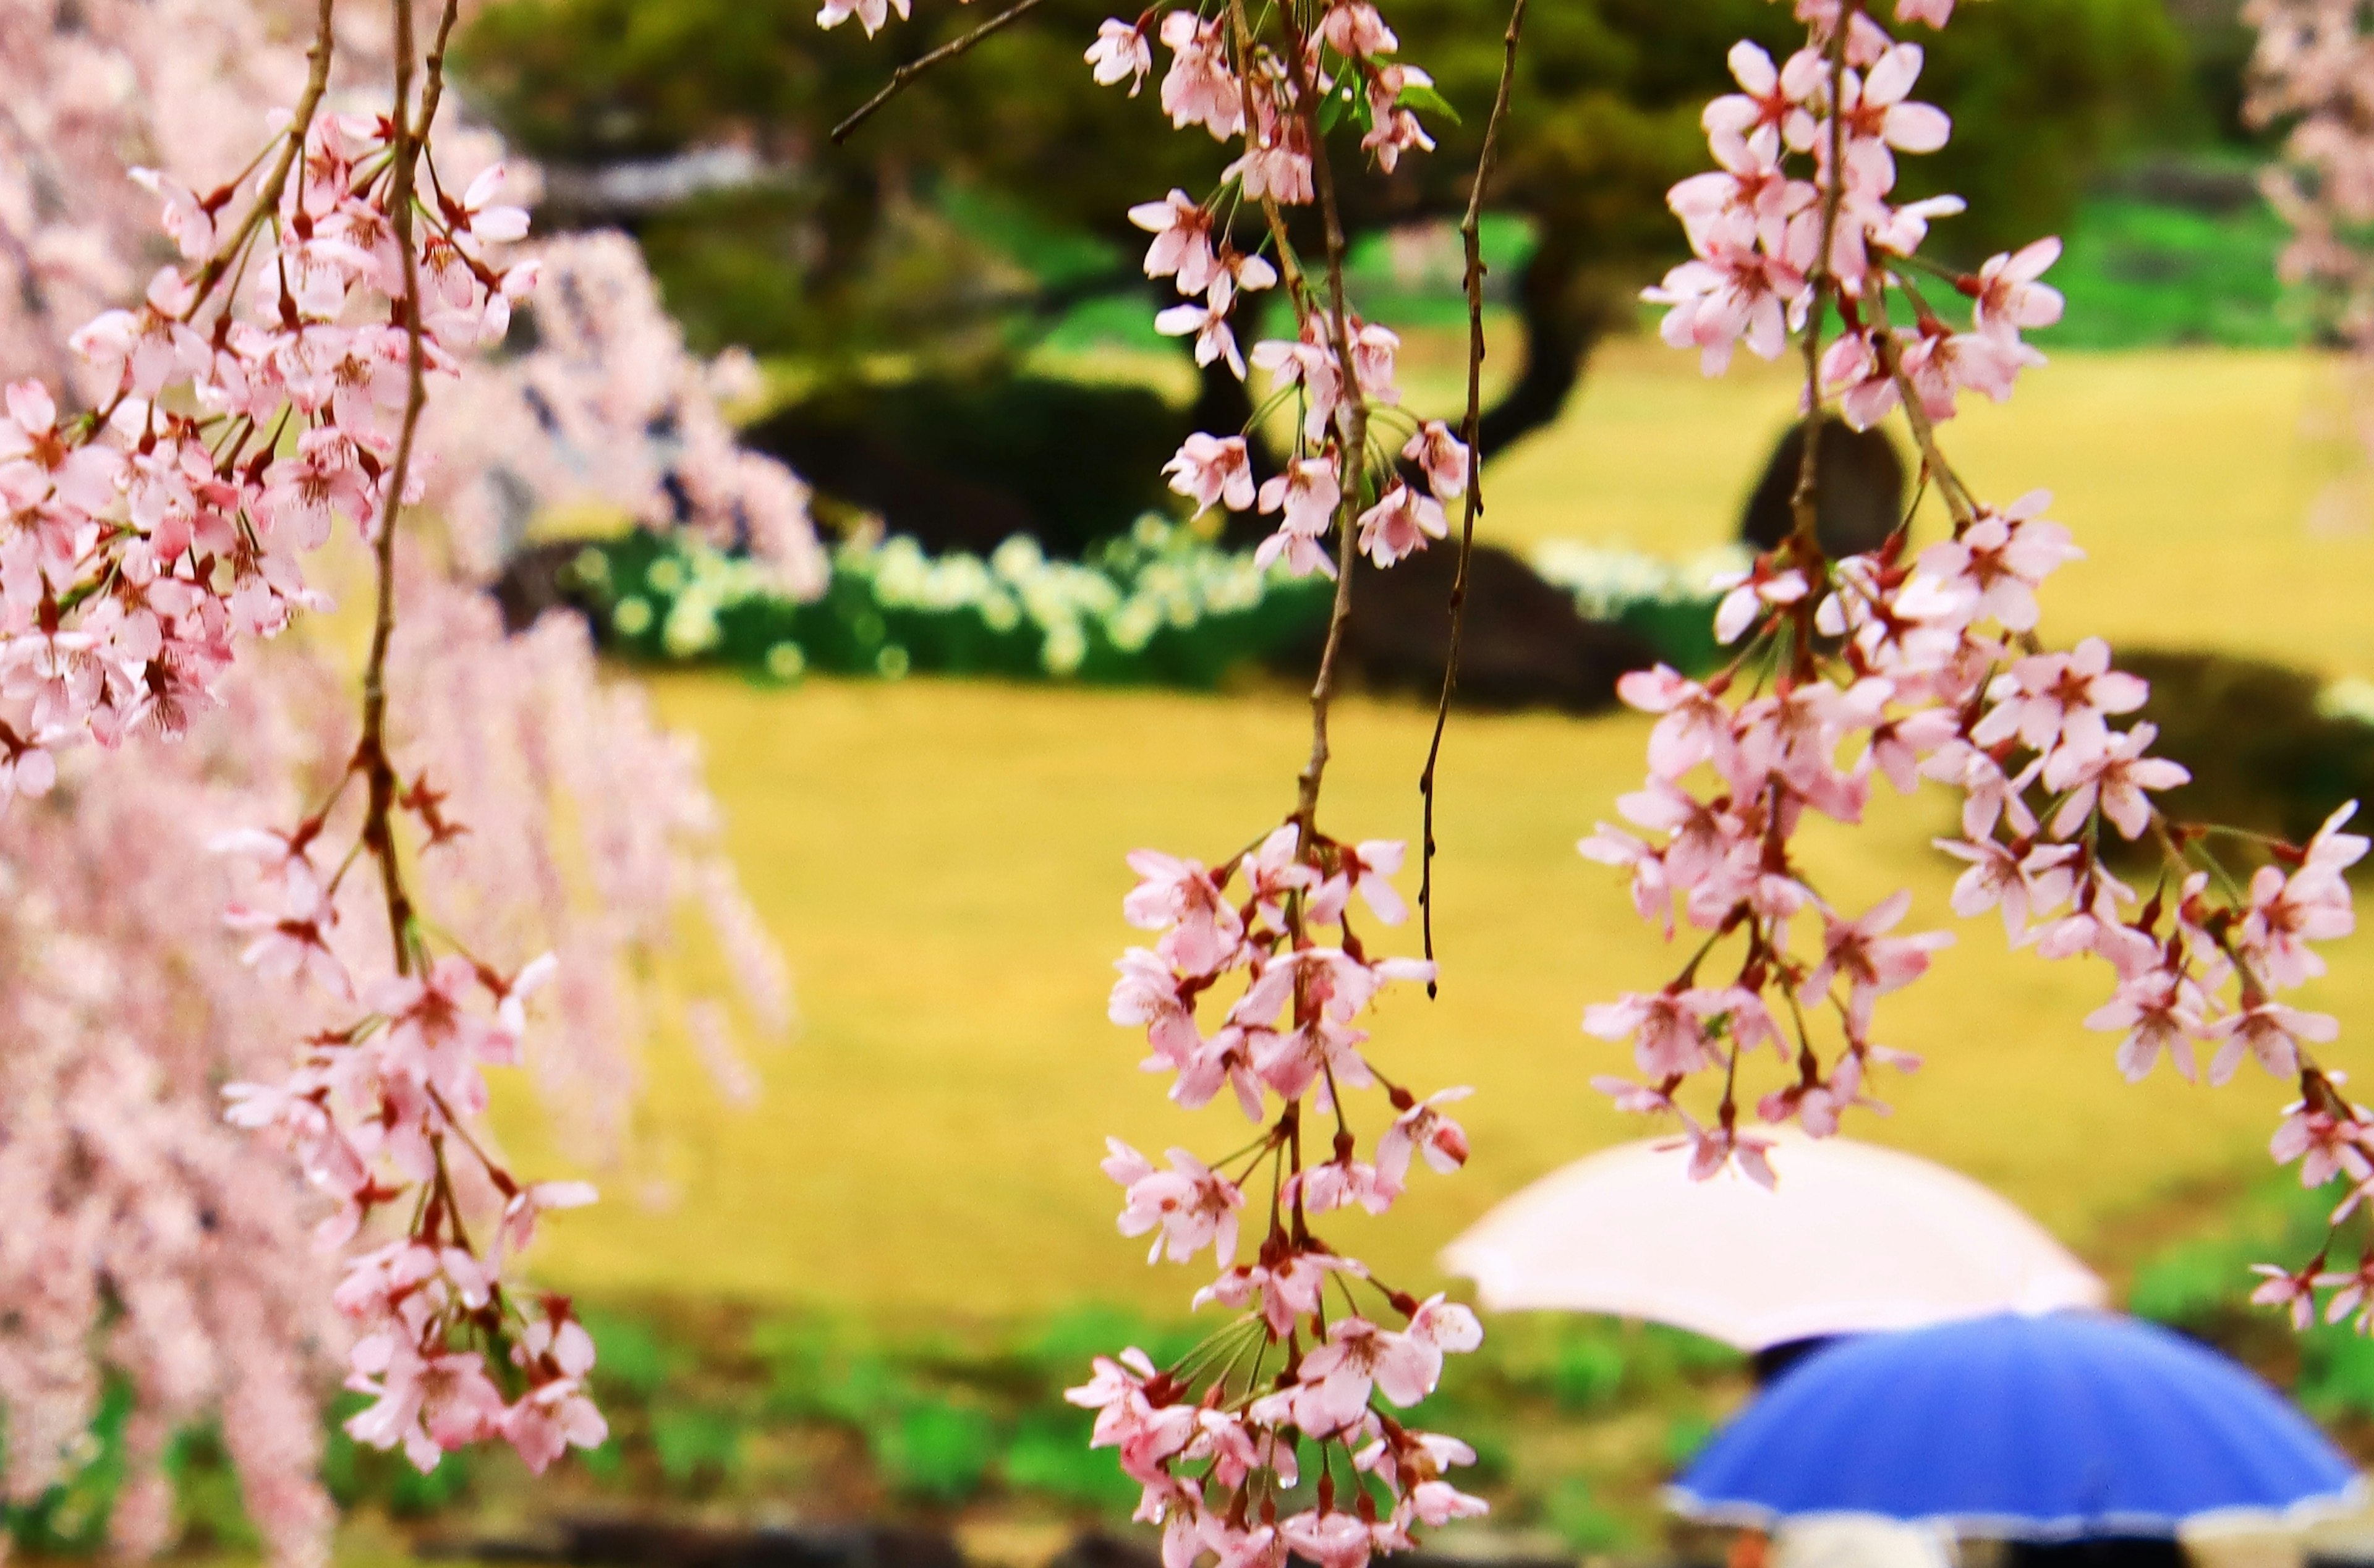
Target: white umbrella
1855	1238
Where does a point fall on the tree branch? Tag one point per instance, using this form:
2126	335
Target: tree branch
1470	232
913	68
370	751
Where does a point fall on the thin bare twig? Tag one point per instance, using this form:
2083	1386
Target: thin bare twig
370	751
913	68
292	147
1471	234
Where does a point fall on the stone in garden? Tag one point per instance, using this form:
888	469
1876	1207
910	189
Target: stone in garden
1524	646
1861	486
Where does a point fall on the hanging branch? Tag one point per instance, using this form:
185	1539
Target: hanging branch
905	74
1470	429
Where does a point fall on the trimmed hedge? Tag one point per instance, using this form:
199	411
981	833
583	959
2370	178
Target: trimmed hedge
1160	605
1157	606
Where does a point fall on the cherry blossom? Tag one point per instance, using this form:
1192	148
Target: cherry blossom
1923	659
1121	53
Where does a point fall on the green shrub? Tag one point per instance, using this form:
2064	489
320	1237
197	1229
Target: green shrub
633	1358
1048	1454
1158	606
2139	273
696	1442
208	1508
1589	1372
934	1449
1578	1520
1686	1433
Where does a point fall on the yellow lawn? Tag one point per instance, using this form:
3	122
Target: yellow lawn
942	863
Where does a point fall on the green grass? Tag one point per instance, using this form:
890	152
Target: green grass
942	862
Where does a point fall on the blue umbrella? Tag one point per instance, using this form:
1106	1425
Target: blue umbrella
2041	1428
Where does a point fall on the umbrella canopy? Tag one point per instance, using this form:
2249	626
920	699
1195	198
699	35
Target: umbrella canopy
2046	1428
1853	1238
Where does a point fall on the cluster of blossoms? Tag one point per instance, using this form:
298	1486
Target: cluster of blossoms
256	392
610	410
2314	66
1915	663
380	1110
1338	370
1214	1439
268	384
153	1244
1769	246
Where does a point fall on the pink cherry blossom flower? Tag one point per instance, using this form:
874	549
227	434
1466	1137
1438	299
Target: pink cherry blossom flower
870	14
1207	324
1878	113
1312	365
1872	963
1770	96
2330	851
1119	53
2002	558
1307	494
1667	1028
1210	470
1750	594
1199	88
2285	913
1941	364
1851	367
1732	293
1405	1367
1423	1128
2116	777
2157	1011
1148	996
1695	726
2009	298
1182	239
2271	1032
1713	1148
2023	886
2326	1145
2294	1293
1329	1540
1367	867
1749	194
1275	164
1178	899
1189	1206
1340	1184
2057	702
1285	1291
1400	524
1353	28
1442	457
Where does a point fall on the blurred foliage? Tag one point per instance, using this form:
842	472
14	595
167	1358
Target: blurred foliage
964	461
1160	605
703	1407
2140	272
2202	1284
1157	606
2272	749
990	199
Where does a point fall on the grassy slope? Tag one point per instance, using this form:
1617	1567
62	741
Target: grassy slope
942	863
